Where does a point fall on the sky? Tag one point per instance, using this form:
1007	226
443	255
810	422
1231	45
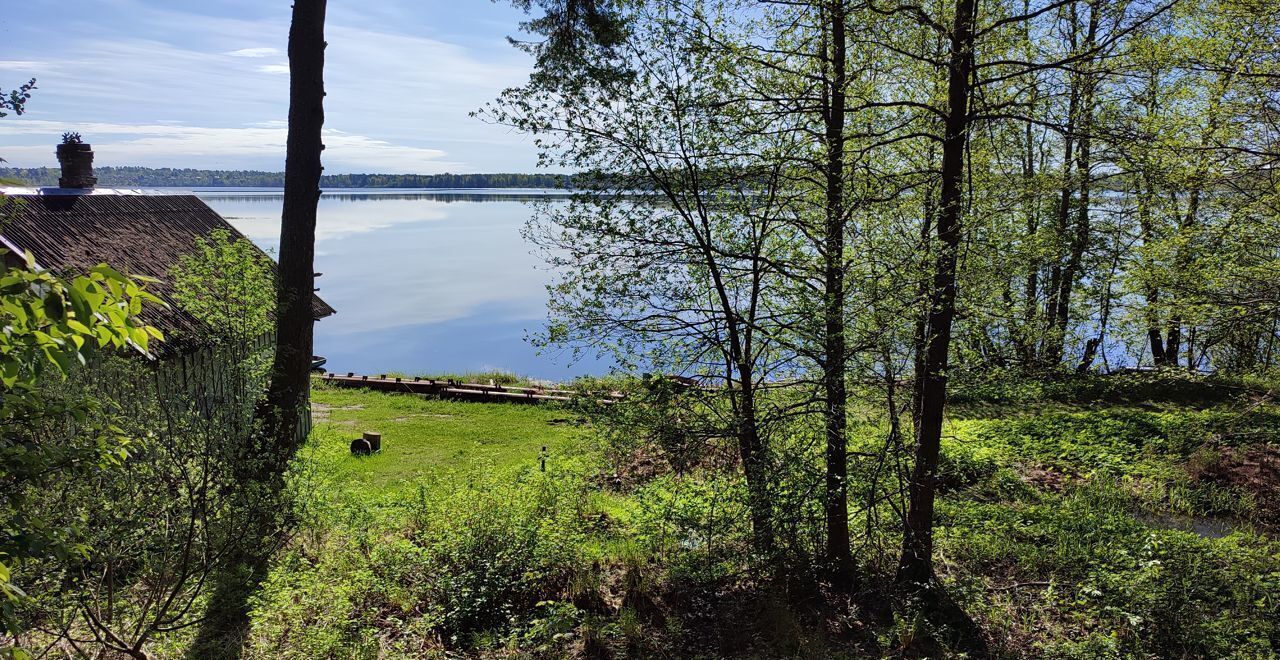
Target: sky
180	83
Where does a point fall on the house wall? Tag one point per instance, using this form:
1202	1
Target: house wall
214	381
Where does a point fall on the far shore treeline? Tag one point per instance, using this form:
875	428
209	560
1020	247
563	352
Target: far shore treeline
171	177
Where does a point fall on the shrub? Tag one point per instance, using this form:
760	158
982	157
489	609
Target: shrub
498	547
699	522
960	466
470	561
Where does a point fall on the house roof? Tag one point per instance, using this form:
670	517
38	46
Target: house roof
136	233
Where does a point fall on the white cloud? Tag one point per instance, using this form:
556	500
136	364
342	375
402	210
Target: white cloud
22	65
169	145
255	52
409	94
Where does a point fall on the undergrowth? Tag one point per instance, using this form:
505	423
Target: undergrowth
1078	519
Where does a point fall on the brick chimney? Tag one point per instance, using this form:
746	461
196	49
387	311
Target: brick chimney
76	159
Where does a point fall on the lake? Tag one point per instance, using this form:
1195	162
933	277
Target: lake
436	281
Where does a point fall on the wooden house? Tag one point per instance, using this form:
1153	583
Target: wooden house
77	226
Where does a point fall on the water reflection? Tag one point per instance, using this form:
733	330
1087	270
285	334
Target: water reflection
423	281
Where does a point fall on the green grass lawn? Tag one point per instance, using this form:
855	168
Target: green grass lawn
423	437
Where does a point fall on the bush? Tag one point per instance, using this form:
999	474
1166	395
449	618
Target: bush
1196	597
961	466
498	548
699	523
468	564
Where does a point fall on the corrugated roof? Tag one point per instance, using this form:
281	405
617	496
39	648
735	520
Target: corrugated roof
136	234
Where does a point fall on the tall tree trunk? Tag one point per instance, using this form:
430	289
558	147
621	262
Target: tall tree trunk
751	447
1173	341
263	466
755	466
1083	166
836	502
920	334
1053	342
1079	241
916	565
287	395
1026	337
1155	336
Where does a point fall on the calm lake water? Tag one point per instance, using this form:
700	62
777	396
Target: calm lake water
424	281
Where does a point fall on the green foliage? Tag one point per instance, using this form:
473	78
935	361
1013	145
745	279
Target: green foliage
474	559
432	544
51	326
15	100
155	530
698	524
1164	386
960	466
228	284
581	37
55	321
72	138
497	549
135	476
675	426
1118	441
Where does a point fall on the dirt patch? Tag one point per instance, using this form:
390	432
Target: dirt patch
1044	478
1253	469
647	462
321	406
640	466
409	418
321	412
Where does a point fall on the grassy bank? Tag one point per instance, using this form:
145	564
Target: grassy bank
425	437
1086	521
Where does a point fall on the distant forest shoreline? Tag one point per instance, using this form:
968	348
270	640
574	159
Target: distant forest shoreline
147	177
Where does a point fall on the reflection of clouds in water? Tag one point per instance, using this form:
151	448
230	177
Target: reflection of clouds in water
431	273
391	262
260	219
341	219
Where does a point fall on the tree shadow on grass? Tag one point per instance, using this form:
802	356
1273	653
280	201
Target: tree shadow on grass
939	624
267	509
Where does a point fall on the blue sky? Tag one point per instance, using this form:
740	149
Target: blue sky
179	83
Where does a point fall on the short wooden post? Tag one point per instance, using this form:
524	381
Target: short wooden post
374	440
